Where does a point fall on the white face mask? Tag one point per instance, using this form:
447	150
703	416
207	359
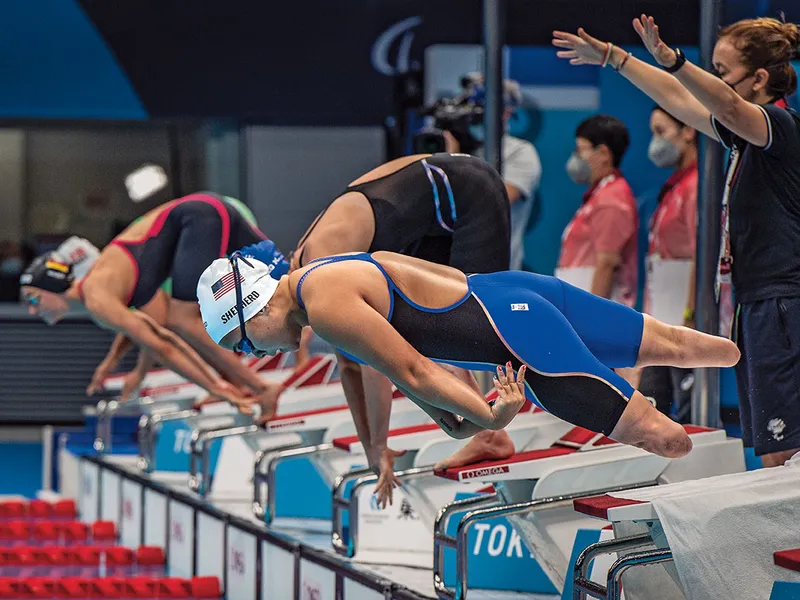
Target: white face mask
579	169
663	153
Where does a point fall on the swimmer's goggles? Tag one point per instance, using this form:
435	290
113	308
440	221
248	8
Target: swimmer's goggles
245	345
30	300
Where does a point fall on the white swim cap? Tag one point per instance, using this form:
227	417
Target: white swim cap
80	254
216	293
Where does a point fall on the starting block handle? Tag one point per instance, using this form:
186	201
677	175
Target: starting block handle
364	480
340	505
200	452
277	456
582	584
441	540
148	435
634	559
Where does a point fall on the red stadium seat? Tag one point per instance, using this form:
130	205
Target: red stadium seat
75	532
206	587
73	587
108	587
140	587
119	556
7	587
65	509
150	556
104	531
173	587
39	509
18	531
13	509
35	587
47	531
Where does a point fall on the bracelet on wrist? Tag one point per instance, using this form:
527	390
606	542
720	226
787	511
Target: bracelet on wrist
607	55
688	314
621	64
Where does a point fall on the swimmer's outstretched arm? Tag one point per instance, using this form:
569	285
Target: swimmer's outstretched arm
119	348
451	424
357	328
166	346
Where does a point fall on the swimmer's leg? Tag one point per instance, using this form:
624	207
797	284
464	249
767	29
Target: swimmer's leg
667	345
621	337
569	381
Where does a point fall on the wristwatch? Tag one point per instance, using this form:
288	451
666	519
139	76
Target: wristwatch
680	60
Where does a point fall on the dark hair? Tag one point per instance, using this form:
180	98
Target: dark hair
608	130
768	44
677	121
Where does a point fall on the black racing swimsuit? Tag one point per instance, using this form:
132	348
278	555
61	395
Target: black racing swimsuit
450	209
569	339
183	240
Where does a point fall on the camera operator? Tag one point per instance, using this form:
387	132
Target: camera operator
459	129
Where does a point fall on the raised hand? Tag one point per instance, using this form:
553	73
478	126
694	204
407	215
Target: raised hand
648	30
510	394
581	49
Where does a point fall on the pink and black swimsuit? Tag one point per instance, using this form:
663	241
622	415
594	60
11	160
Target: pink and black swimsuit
183	240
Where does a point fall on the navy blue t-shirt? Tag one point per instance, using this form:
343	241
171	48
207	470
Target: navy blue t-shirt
764	204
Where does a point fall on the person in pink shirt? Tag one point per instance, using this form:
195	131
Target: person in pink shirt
670	282
599	245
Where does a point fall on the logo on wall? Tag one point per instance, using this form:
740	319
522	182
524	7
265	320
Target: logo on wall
407	512
311	590
177	531
127	509
381	49
237	561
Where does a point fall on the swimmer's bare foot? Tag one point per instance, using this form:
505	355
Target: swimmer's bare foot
486	445
643	426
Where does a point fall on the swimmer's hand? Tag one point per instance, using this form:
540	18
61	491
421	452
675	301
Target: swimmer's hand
227	392
131	384
510	395
268	400
387	480
100	373
581	49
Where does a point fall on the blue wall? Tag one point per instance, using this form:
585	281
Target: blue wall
57	65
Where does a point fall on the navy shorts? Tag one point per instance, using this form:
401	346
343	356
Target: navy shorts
768	374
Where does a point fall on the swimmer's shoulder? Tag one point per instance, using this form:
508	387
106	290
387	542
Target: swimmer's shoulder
333	286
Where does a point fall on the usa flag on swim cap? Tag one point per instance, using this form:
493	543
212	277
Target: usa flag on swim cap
224	285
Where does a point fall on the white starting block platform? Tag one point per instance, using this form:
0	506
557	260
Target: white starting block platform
717	537
218	513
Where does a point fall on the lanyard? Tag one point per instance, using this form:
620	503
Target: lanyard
725	261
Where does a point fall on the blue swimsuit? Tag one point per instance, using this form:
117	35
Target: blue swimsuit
569	339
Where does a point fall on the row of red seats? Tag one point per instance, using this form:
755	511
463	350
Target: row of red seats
38	509
59	556
110	587
69	532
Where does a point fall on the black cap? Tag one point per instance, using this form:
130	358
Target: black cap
48	272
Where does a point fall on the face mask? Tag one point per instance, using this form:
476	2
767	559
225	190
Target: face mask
579	169
735	83
663	153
